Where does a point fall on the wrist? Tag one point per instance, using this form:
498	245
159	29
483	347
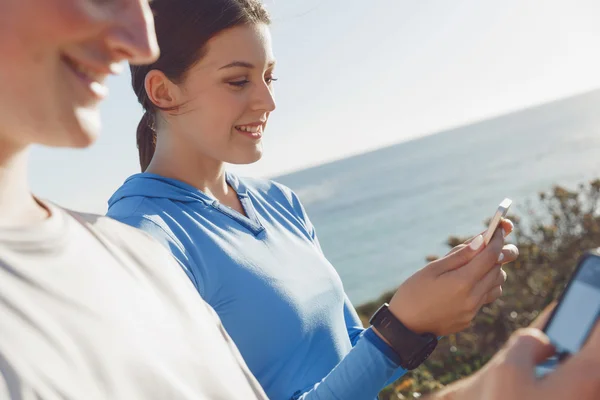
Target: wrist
382	345
404	315
381	336
411	348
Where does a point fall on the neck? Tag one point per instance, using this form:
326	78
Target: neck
18	207
176	161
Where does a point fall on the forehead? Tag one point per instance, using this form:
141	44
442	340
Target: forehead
247	43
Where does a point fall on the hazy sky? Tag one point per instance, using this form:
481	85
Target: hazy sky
356	75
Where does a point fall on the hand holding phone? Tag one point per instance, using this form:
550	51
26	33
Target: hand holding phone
496	219
577	312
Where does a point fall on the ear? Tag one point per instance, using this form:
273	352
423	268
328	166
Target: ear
160	90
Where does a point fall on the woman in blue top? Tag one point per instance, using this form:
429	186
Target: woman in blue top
248	245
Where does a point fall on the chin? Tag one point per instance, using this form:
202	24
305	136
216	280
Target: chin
83	130
75	140
82	141
247	158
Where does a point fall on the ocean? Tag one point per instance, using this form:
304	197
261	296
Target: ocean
379	214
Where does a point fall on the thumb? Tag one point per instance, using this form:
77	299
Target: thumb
542	319
528	347
462	256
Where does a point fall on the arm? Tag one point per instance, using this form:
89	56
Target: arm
353	323
360	375
356	331
510	374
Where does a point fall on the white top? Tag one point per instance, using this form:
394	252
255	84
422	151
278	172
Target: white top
94	309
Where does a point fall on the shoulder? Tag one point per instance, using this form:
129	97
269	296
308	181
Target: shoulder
117	232
142	251
145	216
143	247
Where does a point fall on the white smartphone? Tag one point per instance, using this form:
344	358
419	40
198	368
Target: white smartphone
500	213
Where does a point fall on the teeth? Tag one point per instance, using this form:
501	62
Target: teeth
86	71
250	129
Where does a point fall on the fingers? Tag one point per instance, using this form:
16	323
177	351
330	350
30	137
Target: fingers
483	261
460	246
463	245
507	226
515	364
490	287
494	294
542	319
462	256
471	239
510	253
528	347
579	376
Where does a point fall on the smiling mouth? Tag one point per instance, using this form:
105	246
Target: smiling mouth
91	79
254	130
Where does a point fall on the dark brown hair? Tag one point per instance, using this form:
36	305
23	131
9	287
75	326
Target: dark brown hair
183	27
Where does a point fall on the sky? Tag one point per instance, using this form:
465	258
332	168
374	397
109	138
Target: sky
359	75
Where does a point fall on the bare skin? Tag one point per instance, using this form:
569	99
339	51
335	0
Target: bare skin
60	54
511	373
228	92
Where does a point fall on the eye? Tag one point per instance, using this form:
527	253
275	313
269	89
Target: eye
270	79
240	83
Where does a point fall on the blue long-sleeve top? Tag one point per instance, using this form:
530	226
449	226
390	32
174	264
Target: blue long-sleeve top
265	275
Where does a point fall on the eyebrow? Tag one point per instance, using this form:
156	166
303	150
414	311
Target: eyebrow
243	64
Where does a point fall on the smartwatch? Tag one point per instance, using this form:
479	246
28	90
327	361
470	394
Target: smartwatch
412	348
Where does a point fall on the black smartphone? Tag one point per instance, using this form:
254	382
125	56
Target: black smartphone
577	312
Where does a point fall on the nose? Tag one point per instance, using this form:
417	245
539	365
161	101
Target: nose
132	37
264	99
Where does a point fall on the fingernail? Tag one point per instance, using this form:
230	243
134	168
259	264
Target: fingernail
504	234
116	68
476	243
501	257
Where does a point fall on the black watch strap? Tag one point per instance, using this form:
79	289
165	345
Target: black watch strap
412	348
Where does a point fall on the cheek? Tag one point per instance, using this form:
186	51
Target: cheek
79	20
239	108
36	76
223	110
39	30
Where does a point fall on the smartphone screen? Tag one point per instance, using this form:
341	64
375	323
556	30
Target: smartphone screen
576	314
578	310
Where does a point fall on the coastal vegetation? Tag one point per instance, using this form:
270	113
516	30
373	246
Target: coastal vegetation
551	233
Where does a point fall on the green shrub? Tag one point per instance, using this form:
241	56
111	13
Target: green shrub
551	236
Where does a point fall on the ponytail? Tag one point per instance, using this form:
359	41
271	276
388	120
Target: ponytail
146	139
